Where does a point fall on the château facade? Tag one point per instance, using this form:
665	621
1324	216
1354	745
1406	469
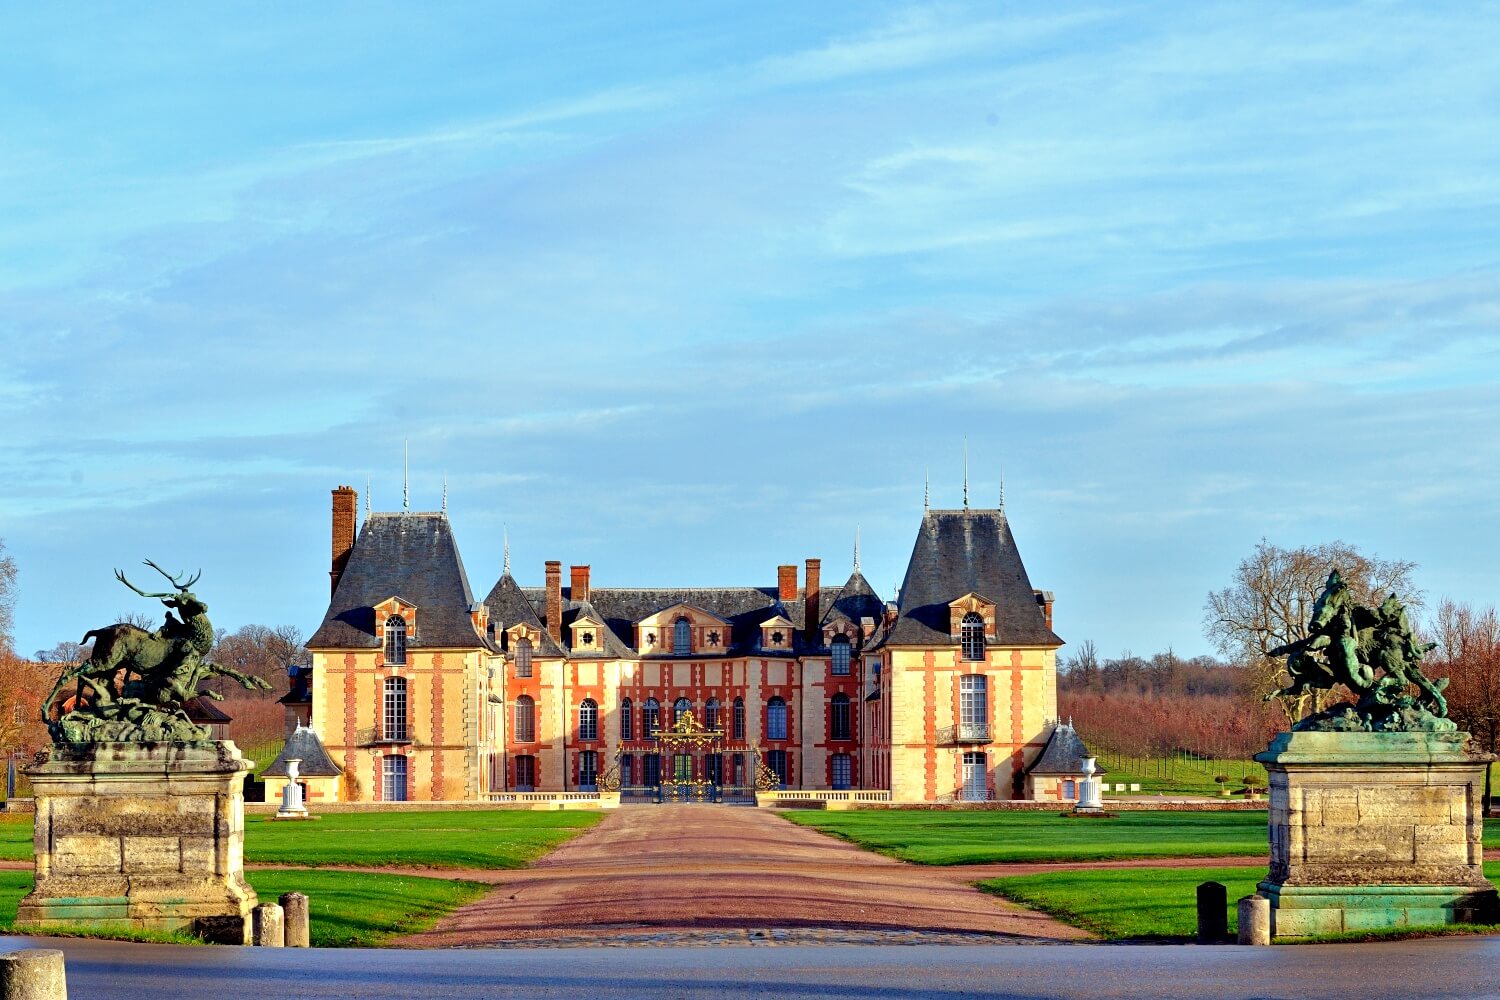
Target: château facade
418	690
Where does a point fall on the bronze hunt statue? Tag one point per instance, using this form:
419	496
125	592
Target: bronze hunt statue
1373	653
132	686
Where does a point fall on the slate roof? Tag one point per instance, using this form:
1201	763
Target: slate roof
1063	753
958	552
743	608
509	606
411	556
202	710
304	745
856	600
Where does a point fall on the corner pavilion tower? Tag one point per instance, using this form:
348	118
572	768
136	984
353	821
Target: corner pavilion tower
419	691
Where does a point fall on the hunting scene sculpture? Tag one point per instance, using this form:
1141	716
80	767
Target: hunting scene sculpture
1372	652
132	687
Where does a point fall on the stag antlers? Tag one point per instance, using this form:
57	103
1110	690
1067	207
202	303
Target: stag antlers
182	588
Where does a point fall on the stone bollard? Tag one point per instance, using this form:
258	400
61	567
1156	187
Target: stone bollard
294	912
269	927
1255	920
1213	913
33	974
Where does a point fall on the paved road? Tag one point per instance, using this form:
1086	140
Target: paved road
670	869
1438	969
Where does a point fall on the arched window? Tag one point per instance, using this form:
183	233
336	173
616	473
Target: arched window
523	657
525	720
711	714
588	720
395	641
973	707
682	636
776	719
680	706
627	723
393	779
972	633
739	720
840	649
395	709
650	718
838	717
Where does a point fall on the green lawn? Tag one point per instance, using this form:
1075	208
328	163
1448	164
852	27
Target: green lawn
932	837
347	909
1127	903
15	836
1180	775
498	838
359	910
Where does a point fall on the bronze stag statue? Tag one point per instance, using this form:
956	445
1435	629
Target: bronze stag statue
132	687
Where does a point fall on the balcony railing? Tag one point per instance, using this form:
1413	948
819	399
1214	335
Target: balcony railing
964	732
372	736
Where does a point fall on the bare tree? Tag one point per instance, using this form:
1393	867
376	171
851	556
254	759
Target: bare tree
64	652
1468	654
1270	599
1082	668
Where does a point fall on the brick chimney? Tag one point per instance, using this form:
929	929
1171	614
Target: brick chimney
1044	598
786	583
580	591
554	599
814	582
345	503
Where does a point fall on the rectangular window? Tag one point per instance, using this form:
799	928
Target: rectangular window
395	708
682	768
777	762
975	788
841	651
973	708
393	779
652	771
588	771
739	720
776	719
713	765
627	721
838	718
526	773
627	770
843	771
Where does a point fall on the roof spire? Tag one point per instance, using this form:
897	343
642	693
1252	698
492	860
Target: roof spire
1002	491
966	472
367	496
406	477
445	493
506	530
926	490
856	548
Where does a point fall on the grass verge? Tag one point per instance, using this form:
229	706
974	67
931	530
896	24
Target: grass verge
347	909
500	838
1160	904
962	837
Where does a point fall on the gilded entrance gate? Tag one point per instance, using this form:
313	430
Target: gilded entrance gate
690	764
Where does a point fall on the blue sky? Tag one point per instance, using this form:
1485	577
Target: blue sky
687	291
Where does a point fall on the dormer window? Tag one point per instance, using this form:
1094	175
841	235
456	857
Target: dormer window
395	639
682	636
972	636
840	648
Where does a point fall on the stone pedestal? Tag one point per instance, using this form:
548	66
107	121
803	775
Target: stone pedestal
1375	830
150	835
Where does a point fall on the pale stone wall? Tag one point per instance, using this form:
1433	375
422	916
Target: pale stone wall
1371	830
923	685
147	834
